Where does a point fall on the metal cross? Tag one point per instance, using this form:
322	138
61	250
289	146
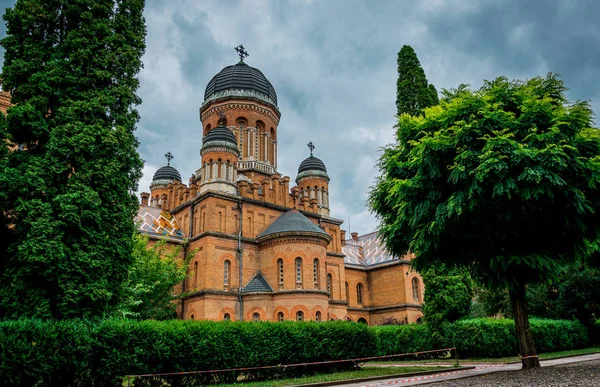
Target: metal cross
169	157
241	52
311	147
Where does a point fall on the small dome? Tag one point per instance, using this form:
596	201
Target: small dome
167	173
240	76
220	133
292	222
312	163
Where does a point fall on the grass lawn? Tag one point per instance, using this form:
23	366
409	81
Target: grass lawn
510	359
362	373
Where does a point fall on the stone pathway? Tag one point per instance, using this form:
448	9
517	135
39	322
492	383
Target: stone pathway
450	378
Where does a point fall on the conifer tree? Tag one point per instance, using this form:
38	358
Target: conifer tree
413	93
71	67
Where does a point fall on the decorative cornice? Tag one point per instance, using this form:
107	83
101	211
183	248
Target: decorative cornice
321	240
334	254
219	146
312	173
239	106
338	302
239	93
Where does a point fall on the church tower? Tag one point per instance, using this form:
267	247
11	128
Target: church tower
313	181
247	102
219	154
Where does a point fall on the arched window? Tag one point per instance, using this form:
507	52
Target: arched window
226	317
362	321
255	317
191	317
359	293
415	289
219	164
318	317
299	315
298	273
196	275
207	129
329	281
347	292
220	221
210	169
280	316
280	272
226	270
316	273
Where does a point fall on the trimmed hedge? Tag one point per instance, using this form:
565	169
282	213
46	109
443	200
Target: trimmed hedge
74	353
482	337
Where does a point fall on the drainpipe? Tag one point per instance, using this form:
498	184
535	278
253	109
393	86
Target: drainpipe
185	254
240	260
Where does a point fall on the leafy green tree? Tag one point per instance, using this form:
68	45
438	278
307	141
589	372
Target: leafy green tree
448	295
413	93
71	67
151	279
503	181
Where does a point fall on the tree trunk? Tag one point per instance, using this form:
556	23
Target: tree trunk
522	329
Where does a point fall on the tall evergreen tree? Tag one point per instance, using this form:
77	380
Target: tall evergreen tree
71	67
413	93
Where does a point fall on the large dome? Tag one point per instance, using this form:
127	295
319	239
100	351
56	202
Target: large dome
240	77
166	173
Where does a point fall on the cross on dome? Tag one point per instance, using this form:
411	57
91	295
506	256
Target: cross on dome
169	157
311	147
241	52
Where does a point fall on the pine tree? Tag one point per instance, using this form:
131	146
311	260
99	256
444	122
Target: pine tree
413	93
71	67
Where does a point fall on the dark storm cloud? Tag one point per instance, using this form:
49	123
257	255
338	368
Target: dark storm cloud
333	65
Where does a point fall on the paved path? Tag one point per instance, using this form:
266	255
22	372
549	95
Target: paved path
480	369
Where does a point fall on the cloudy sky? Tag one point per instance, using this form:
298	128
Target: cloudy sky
333	65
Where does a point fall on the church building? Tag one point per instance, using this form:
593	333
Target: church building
265	249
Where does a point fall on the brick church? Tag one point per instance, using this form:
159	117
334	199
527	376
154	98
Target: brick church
266	250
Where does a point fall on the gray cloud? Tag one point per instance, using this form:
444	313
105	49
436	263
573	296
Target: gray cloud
333	64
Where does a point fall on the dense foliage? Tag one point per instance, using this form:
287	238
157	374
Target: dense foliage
413	93
71	353
481	337
155	272
503	181
83	353
68	188
574	293
448	295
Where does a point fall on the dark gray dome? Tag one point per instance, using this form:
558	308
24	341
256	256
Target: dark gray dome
240	76
220	133
167	173
312	163
292	222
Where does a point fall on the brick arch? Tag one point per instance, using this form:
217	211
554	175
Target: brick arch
313	313
286	315
260	311
331	316
192	313
298	308
363	318
227	310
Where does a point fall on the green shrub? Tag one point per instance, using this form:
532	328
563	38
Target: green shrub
482	337
41	353
73	353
